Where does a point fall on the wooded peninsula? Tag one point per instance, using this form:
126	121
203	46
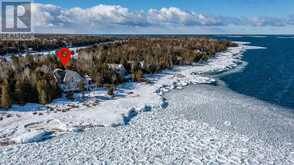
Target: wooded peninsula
31	78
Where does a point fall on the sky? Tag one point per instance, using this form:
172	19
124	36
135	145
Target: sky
164	16
222	7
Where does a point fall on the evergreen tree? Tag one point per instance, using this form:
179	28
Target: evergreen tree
137	75
5	95
42	92
19	95
110	90
82	88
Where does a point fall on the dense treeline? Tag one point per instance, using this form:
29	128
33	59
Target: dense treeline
146	55
31	79
28	79
44	42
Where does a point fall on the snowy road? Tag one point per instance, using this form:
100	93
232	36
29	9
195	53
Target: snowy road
157	137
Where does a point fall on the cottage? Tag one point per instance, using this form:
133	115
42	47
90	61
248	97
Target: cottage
68	80
139	64
197	51
118	68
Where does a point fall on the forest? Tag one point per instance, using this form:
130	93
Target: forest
46	42
30	78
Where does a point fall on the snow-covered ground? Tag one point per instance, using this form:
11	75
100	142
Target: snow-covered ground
162	136
31	122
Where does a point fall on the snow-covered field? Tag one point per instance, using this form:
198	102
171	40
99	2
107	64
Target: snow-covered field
29	123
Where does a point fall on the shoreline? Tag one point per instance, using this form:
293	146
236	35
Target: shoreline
166	136
118	111
180	133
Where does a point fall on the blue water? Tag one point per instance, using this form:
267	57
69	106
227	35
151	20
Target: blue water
269	75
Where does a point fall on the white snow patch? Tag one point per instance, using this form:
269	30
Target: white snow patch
32	137
227	123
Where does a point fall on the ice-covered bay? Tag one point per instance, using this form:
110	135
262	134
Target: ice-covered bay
165	136
224	109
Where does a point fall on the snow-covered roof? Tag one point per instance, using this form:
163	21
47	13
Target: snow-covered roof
68	80
71	76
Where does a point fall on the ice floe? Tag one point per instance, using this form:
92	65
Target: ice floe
30	137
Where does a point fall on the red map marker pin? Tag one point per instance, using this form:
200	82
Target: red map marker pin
64	55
